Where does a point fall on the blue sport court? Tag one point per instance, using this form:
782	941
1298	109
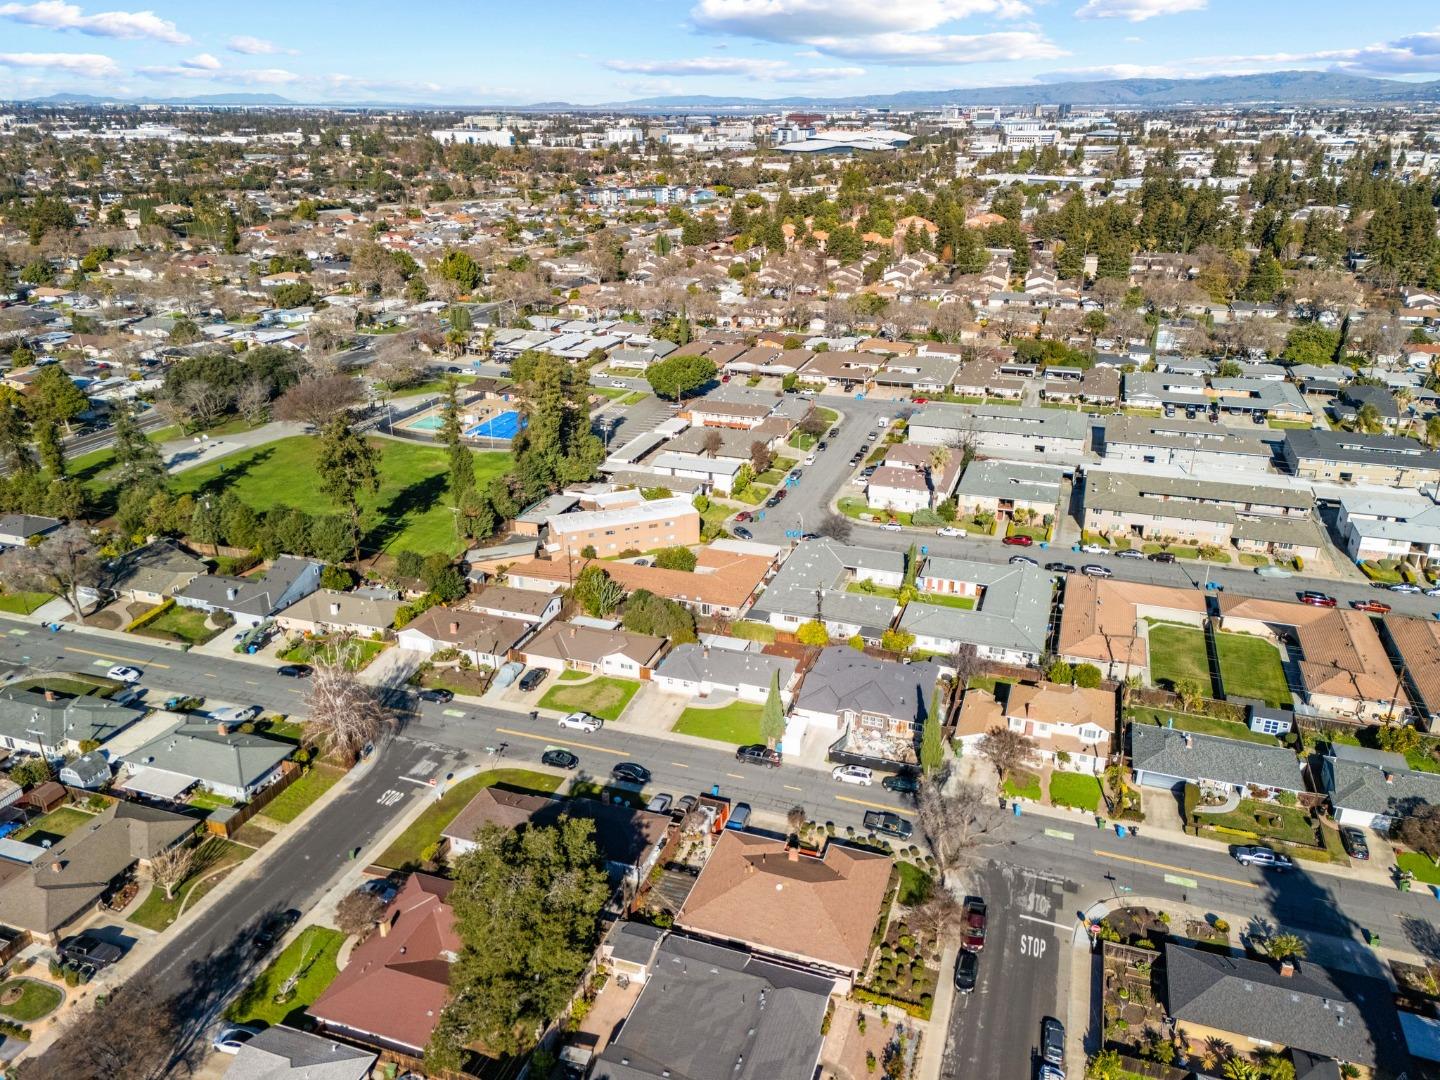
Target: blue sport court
503	425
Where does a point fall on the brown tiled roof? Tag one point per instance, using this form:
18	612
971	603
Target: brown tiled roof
474	630
1101	615
396	984
821	908
1418	641
1344	658
720	578
567	641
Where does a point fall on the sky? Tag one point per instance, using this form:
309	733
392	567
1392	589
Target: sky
595	51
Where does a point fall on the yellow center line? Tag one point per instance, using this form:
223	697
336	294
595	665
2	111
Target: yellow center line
679	764
551	741
1174	869
735	775
862	802
112	656
792	787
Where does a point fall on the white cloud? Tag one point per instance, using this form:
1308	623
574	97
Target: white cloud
1136	10
87	65
822	74
353	83
1120	71
208	67
1413	54
894	33
58	15
746	67
201	62
254	46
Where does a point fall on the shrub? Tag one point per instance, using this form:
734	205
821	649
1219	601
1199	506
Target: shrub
1222	926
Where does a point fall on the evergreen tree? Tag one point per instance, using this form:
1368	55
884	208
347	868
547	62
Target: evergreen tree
932	740
138	462
347	465
772	716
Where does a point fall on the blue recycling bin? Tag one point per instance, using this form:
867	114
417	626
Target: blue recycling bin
1015	808
1120	830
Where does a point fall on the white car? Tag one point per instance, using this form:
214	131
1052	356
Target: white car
891	526
234	1036
809	459
582	721
1095	549
949	530
882	421
853	774
619	384
124	673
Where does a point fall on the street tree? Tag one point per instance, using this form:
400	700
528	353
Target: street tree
1005	749
955	818
347	465
1420	829
170	868
63	563
126	1034
344	714
358	912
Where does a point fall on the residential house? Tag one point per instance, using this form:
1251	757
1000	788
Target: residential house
1374	789
1008	619
1168	758
487	640
1390	525
1002	488
1347	457
90	771
234	764
63	885
899	489
1415	644
815	581
153	572
285	1053
43	722
516	602
698	671
251	600
707	1012
879	706
1346	406
391	993
817	909
327	611
533	520
570	646
18	530
1070	726
629	840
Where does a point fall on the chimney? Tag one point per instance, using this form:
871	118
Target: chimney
49	695
1287	968
57	866
385	927
1189	740
335	609
1389	777
793	854
455	628
222	729
231	592
572	631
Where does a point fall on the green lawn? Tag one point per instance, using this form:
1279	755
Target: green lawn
1074	789
1250	667
1178	653
594	789
753	631
182	624
915	884
60	822
1423	869
408	512
23	603
1273	822
358	652
291	802
602	696
404	853
430	386
208	800
36	999
217	858
737	723
1023	785
312	954
1199	725
964	603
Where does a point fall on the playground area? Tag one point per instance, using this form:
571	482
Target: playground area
482	421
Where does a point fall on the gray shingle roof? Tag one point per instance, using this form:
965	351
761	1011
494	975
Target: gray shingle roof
1014	611
727	667
200	751
820	565
63	719
282	1053
1171	752
1376	783
845	680
252	595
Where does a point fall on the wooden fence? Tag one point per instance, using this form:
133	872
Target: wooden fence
221	823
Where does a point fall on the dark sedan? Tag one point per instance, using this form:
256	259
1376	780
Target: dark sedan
440	697
743	533
1355	844
1060	568
758	754
559	759
902	783
295	671
967	971
628	772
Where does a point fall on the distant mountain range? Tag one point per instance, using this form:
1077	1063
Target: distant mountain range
1274	88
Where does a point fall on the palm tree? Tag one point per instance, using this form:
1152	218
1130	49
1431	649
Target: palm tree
1282	947
1238	1068
1367	418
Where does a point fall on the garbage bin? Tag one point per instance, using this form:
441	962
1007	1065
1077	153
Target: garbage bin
1119	830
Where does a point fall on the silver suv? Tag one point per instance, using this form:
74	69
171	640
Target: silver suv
1263	856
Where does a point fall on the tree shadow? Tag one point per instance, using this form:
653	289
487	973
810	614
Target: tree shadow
232	474
416	498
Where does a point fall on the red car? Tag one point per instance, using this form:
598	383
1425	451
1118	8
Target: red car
973	925
1317	599
1018	541
921	400
1373	606
743	515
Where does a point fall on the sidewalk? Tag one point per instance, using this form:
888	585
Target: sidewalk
932	1050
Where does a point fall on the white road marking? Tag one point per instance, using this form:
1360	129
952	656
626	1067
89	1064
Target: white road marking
1047	922
390	798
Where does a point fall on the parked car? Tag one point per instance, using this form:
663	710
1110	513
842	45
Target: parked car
508	673
234	716
1052	1042
868	471
1060	568
1095	549
383	889
1129	553
629	772
972	924
1317	599
853	774
833	432
1097	571
891	526
1355	843
1017	560
1047	1072
436	695
1018	541
967	970
88	949
739	816
1273	572
904	783
888	824
275	927
124	673
659	804
743	533
683	806
1254	855
295	671
1433	592
582	721
533	678
1404	587
758	754
1161	556
744	515
1375	607
559	759
949	530
810	458
233	1036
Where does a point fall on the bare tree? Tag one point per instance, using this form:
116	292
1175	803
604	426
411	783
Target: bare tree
128	1034
712	442
398	363
358	912
835	527
202	402
795	818
253	401
63	563
955	821
938	913
318	399
170	868
345	715
1007	750
967	664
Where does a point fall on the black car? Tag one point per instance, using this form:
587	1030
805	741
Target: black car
773	501
1052	1042
295	671
533	678
438	696
743	533
1161	556
902	783
627	772
967	970
1060	568
758	754
821	445
90	951
559	759
274	928
883	821
1355	844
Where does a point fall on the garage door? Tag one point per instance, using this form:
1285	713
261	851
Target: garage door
1159	780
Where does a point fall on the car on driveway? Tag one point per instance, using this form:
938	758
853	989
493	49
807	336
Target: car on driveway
659	804
581	721
559	759
124	673
233	1036
383	889
89	949
743	533
1052	1042
1018	541
905	783
1060	568
1317	599
1254	855
888	824
1355	843
1097	571
1375	607
533	678
949	530
1025	560
973	921
629	772
853	774
967	971
758	754
683	806
438	696
295	671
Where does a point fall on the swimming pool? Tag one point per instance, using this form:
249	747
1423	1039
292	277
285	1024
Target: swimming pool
503	425
433	422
